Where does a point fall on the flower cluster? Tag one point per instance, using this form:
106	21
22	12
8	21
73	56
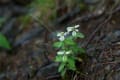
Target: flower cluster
74	31
62	35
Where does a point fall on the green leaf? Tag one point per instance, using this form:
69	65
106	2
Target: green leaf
80	35
75	49
59	58
69	41
63	72
65	58
58	44
61	67
71	64
4	42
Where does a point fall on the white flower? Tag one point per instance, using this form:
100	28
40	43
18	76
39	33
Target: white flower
68	52
74	33
62	35
69	29
76	26
61	52
64	52
62	38
73	29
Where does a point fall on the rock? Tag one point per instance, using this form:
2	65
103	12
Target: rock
117	33
12	10
47	71
39	56
11	75
27	36
117	52
2	76
117	76
18	10
5	11
8	26
8	76
112	36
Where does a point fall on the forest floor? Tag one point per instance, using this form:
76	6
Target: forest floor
32	53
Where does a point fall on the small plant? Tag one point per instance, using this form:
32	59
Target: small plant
68	49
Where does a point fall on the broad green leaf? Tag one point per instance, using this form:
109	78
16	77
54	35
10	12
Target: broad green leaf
61	67
75	49
58	44
69	41
71	64
65	58
4	42
58	58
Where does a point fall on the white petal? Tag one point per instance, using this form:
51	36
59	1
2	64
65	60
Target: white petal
74	33
68	52
60	34
76	30
60	52
61	38
76	26
69	29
